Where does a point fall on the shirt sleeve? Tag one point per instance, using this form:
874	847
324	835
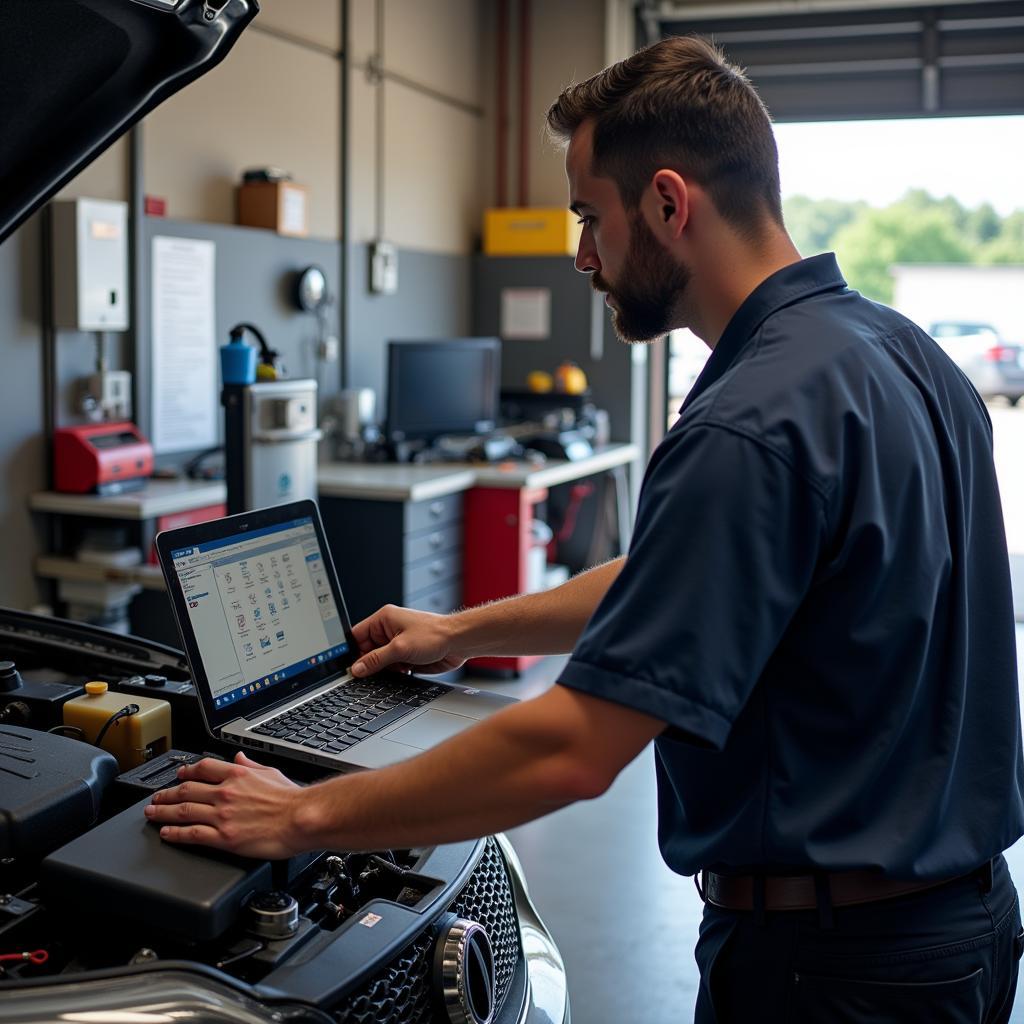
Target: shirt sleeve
726	541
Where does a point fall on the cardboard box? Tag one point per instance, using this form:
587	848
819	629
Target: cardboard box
281	206
531	231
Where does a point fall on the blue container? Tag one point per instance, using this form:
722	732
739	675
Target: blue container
238	362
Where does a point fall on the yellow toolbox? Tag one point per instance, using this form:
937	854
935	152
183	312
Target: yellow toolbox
132	738
531	231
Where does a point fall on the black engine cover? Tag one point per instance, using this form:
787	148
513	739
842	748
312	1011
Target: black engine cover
51	788
122	871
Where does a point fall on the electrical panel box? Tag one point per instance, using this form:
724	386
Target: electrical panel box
384	268
90	265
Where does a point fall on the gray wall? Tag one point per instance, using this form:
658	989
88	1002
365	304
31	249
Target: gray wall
433	301
253	269
22	452
613	376
254	272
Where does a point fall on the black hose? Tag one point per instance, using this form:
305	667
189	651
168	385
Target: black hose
128	709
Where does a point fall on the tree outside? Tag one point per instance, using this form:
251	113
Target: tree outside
918	228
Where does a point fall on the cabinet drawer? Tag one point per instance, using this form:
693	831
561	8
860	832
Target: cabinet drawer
445	598
419	515
432	571
432	542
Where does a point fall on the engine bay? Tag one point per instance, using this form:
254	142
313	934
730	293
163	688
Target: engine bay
88	887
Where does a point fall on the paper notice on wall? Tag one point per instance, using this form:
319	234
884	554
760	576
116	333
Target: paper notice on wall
184	345
293	211
526	314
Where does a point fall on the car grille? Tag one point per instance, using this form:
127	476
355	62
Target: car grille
401	992
487	899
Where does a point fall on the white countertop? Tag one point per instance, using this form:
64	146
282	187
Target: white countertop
390	482
554	471
369	481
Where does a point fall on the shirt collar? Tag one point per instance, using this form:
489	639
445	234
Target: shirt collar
790	284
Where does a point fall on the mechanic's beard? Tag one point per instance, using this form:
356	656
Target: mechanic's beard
650	289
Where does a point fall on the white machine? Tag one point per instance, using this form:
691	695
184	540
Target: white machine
270	428
282	440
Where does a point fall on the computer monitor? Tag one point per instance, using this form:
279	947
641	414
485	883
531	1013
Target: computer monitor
442	387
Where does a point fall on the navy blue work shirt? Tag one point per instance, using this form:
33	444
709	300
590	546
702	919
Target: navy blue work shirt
817	601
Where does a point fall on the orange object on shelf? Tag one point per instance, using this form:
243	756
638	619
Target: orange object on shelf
570	379
540	382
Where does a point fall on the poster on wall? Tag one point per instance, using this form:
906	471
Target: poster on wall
525	314
184	345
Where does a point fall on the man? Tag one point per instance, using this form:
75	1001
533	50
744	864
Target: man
813	621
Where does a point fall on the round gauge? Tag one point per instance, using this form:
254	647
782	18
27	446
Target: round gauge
311	289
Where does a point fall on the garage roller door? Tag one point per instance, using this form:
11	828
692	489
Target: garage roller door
820	60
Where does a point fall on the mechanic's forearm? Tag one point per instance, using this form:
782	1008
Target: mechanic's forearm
546	623
512	768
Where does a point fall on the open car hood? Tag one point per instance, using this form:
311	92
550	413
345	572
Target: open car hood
77	74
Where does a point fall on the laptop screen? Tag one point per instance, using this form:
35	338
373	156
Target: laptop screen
261	608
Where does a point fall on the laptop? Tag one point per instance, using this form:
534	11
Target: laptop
269	643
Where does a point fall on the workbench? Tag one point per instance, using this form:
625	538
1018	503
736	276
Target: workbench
436	537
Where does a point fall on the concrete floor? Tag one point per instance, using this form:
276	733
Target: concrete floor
625	924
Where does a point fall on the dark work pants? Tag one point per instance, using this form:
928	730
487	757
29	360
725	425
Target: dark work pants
941	956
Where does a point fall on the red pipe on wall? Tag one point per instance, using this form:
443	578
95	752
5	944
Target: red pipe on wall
501	103
524	102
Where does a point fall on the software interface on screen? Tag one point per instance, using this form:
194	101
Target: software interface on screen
261	607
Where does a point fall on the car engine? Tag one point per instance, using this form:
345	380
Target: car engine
96	910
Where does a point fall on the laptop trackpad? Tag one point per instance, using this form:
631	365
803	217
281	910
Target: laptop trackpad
429	729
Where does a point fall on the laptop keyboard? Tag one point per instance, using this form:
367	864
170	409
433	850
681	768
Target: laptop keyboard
347	714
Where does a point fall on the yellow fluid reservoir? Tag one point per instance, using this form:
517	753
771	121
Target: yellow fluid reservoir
133	738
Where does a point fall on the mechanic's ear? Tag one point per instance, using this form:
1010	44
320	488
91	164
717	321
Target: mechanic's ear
673	201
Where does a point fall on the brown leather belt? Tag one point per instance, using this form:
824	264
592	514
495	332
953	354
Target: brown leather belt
800	892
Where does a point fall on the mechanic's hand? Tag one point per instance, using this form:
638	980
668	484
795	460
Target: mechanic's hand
243	807
402	640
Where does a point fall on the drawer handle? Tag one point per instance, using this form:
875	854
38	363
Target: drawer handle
436	540
436	568
437	508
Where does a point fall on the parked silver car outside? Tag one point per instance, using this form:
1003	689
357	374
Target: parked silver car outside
993	366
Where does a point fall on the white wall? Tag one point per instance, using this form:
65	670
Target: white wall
272	102
928	292
276	101
568	43
430	171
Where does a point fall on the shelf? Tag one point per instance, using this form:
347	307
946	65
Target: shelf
54	567
157	498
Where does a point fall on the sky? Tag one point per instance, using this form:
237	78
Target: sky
973	159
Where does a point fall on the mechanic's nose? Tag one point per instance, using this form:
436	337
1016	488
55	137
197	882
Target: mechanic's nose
586	255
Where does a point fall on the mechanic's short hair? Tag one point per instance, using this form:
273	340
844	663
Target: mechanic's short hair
678	103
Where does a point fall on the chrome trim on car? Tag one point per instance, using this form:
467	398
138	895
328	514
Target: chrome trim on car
464	972
547	996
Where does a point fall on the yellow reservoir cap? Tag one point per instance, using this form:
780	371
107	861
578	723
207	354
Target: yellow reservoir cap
96	687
